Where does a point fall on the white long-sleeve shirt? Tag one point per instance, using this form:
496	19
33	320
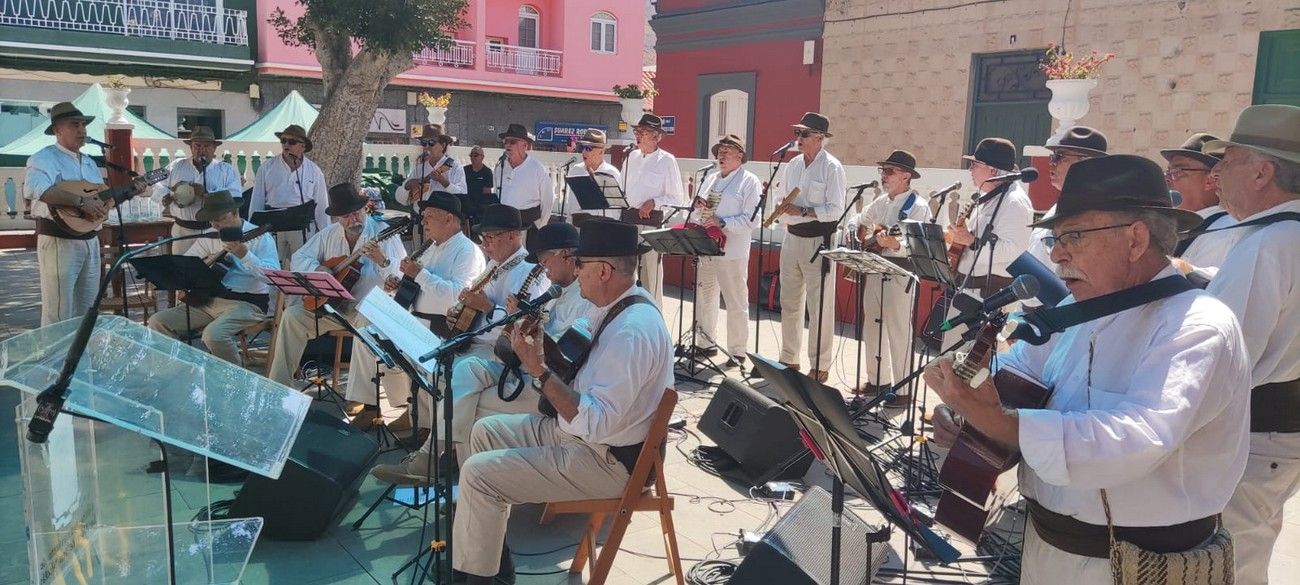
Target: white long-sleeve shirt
625	376
821	186
455	179
1011	226
653	176
245	274
1150	403
332	241
740	191
276	186
890	212
1259	282
509	283
448	268
220	176
1208	251
526	186
571	205
569	310
51	165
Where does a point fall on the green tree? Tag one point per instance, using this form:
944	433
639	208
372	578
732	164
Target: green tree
361	46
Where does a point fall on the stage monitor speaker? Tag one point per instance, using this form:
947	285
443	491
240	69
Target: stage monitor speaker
797	550
755	431
318	484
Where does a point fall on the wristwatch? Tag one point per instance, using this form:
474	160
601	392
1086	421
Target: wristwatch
540	381
803	212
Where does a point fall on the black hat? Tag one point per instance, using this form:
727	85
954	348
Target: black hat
215	204
1120	182
63	110
729	140
344	199
1082	140
605	237
1194	147
903	160
652	122
517	131
555	236
500	218
998	153
295	131
444	201
816	122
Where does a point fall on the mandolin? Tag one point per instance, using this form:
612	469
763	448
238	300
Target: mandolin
461	317
956	250
344	268
789	198
219	262
408	290
872	243
71	219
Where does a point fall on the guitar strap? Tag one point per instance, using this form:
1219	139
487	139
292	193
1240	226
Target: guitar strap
543	404
907	206
1201	230
1040	325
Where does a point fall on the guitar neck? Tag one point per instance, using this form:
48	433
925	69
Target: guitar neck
420	250
981	351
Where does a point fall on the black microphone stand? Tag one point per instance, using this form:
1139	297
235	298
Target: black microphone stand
825	270
779	158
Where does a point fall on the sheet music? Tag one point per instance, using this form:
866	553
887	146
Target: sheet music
406	332
862	261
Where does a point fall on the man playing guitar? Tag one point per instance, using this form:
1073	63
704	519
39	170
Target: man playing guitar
435	170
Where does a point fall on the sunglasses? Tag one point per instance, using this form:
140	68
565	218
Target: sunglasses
886	171
1057	157
588	148
805	133
290	141
510	141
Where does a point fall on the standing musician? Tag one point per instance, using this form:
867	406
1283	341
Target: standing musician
203	169
1145	428
435	170
1190	173
1259	178
809	222
525	183
1006	205
592	145
449	265
289	180
68	264
588	449
737	191
478	183
246	295
1079	143
652	181
887	301
353	230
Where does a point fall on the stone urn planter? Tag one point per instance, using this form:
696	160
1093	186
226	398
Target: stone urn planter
1069	102
437	115
116	99
632	109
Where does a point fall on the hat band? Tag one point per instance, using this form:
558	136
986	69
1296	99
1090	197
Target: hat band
1266	142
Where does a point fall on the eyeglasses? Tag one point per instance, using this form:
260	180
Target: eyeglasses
580	262
588	147
806	133
1072	238
642	131
1174	173
290	141
886	171
1057	157
488	237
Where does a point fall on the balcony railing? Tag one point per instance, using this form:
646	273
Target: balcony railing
524	60
459	55
186	20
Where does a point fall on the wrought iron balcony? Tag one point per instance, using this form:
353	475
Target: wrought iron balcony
459	55
185	20
524	60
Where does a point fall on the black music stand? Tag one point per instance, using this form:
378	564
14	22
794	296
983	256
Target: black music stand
314	284
289	219
693	243
593	195
175	272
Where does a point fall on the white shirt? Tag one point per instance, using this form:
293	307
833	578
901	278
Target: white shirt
276	186
1208	251
1011	226
51	165
526	186
889	212
332	241
455	176
1037	248
509	283
245	274
1258	281
1157	416
624	377
740	191
448	268
571	205
569	310
220	176
653	176
821	186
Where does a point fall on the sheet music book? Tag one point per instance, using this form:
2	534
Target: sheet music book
406	332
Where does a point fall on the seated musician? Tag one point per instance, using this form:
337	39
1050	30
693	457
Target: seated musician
553	249
353	230
246	295
1146	426
449	264
589	448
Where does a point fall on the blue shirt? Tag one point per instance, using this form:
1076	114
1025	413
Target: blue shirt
51	165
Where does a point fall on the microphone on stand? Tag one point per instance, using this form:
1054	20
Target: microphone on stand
570	163
1023	287
780	152
103	145
870	185
534	305
705	168
1028	175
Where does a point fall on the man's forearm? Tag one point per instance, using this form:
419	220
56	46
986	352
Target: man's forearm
561	397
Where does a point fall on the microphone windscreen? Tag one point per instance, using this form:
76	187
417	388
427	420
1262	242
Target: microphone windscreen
231	234
1029	175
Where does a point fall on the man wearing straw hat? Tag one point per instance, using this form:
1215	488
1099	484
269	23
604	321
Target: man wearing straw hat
592	146
1259	182
652	181
291	180
435	169
203	174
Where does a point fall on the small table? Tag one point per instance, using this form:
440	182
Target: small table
137	232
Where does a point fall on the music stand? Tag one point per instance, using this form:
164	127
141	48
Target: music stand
314	284
928	252
289	219
595	195
693	243
175	272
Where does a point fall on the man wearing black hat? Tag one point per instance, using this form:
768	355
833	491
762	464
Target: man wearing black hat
1079	143
887	301
246	295
435	170
291	180
352	230
1005	204
1189	173
1145	428
202	172
810	220
652	181
603	415
525	183
448	265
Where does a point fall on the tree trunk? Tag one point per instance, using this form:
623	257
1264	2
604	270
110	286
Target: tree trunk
352	96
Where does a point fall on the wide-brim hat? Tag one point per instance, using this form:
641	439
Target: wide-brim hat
1273	129
295	131
901	159
444	201
1194	148
500	218
202	133
593	137
344	199
998	153
729	140
1081	140
815	122
652	122
1120	182
63	111
215	205
555	236
517	131
602	237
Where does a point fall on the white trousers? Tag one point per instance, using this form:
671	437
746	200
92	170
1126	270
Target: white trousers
887	319
1254	514
69	272
730	277
184	245
363	368
651	274
221	321
801	290
1042	563
297	327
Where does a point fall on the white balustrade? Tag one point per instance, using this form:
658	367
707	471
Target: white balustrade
460	55
524	60
164	19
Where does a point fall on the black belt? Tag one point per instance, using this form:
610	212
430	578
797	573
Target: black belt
261	301
48	227
627	454
812	229
1092	540
192	225
531	215
1275	408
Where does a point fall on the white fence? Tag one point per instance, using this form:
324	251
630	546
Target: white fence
161	19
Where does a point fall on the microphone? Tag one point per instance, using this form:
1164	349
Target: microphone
571	161
100	144
1023	287
231	234
532	307
781	151
705	168
948	189
1028	175
870	185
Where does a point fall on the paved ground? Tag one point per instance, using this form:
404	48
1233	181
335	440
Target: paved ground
710	511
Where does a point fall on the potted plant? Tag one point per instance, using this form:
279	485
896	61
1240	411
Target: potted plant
1070	78
436	106
115	97
632	97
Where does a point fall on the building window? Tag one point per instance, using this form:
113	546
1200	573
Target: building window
529	20
188	118
604	33
729	114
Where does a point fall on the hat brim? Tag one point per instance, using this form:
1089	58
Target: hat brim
819	131
1083	150
1219	146
528	137
211	213
488	229
595	144
641	248
190	141
912	171
1209	160
306	141
332	211
971	157
1186	219
49	130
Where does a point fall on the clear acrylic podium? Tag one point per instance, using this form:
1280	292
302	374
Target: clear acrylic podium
94	515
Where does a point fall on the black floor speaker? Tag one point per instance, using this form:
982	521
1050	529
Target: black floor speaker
318	484
797	551
755	431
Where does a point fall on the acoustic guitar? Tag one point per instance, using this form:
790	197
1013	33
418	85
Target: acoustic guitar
344	268
70	217
955	250
220	264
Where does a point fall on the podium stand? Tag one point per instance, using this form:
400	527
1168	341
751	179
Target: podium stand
93	513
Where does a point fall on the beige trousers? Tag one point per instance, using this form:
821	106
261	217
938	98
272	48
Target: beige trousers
1044	564
184	245
297	327
1254	514
651	274
221	321
69	273
887	318
801	289
730	278
522	459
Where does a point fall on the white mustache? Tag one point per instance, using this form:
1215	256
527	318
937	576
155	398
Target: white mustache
1065	272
